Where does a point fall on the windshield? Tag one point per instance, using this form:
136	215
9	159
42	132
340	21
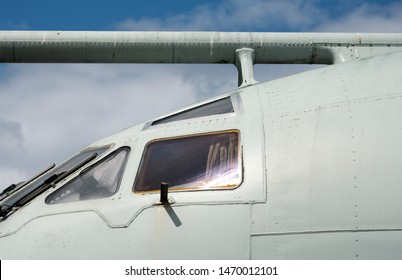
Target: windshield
64	167
100	180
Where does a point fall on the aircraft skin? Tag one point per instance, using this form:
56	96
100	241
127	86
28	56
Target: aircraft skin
320	179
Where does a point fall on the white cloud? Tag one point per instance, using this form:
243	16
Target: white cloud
49	112
278	15
292	14
11	140
367	17
10	176
234	15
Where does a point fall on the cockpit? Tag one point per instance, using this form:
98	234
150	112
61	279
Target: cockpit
186	162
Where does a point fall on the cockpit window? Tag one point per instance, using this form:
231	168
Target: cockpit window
98	181
221	106
197	162
33	186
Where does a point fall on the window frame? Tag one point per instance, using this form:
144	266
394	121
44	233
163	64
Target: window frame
233	97
88	169
183	115
197	187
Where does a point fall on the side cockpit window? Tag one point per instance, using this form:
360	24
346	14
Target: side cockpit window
98	181
197	162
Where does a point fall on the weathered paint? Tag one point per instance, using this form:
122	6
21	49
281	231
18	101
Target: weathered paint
321	158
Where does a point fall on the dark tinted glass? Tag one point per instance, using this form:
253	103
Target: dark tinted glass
196	162
222	106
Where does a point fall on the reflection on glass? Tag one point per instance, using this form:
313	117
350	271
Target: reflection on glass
65	166
195	162
98	181
221	106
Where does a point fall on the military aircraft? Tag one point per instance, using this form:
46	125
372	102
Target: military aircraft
307	166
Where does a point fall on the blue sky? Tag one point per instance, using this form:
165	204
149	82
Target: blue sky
50	111
235	15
